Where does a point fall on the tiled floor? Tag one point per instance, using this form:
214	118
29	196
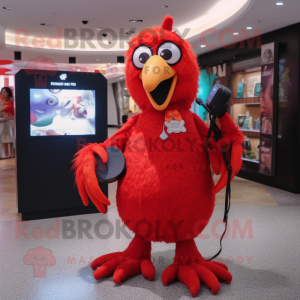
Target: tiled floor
244	192
8	196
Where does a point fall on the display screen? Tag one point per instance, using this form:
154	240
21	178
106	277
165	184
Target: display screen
62	112
212	94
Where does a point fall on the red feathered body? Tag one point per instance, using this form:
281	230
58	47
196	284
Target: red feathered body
167	183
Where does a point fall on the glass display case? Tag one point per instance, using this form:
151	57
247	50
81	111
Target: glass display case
244	108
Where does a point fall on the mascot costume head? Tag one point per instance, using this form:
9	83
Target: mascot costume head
167	193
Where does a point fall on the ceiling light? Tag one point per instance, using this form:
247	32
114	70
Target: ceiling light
129	32
136	21
203	46
47	25
7	8
98	28
235	33
164	6
249	28
279	3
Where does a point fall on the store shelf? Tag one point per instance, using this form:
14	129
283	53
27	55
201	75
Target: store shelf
251	133
250	101
249	130
251	160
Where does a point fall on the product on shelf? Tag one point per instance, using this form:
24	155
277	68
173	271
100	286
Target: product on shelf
241	119
241	88
250	127
257	89
248	122
246	145
250	155
256	124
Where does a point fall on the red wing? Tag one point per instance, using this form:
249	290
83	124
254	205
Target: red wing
231	137
85	162
85	176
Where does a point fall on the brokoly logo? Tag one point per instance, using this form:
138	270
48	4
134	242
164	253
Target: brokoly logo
40	68
63	76
39	258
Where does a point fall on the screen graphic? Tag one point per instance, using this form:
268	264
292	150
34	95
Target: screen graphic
62	112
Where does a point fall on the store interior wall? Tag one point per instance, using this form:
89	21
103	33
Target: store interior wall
112	117
118	91
2	37
287	175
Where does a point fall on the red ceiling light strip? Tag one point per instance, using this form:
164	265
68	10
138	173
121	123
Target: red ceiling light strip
3	71
5	62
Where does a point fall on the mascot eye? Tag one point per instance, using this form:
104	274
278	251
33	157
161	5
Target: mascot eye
140	56
166	54
170	52
52	101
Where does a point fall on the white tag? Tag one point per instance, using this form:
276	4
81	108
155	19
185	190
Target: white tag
163	135
175	126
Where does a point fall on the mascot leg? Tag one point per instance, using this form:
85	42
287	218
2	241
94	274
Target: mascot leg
191	268
134	260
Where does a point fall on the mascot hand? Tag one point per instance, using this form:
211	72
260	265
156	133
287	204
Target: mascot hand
85	175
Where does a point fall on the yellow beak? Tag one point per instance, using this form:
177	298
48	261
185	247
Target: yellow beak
159	81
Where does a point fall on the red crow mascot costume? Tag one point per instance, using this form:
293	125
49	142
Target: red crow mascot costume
168	193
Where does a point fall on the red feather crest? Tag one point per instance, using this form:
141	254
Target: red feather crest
167	23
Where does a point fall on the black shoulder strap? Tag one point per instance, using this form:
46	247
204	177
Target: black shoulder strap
227	197
212	128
